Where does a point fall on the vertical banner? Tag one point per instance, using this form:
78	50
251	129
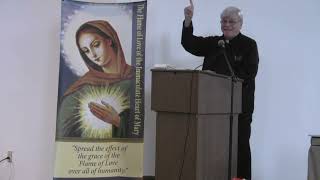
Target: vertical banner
100	116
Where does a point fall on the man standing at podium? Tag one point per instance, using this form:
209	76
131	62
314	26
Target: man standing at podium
242	53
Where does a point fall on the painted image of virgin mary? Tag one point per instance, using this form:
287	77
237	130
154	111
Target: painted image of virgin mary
97	105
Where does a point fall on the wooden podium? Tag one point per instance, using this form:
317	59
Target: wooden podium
193	124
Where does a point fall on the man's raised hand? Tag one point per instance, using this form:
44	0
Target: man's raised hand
188	14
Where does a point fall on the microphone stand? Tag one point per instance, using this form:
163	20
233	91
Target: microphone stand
233	79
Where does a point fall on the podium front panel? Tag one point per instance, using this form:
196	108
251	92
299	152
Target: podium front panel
213	147
176	146
196	92
193	124
171	91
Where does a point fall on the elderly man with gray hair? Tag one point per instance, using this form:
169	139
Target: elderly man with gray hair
242	53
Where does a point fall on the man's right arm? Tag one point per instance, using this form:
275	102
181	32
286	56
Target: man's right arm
198	46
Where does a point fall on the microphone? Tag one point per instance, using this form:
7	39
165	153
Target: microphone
221	43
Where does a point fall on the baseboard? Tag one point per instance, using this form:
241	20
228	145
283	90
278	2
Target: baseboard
149	178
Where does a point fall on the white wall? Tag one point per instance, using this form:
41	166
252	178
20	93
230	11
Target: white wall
29	37
286	94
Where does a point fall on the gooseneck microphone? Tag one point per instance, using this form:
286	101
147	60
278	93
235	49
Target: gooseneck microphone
222	44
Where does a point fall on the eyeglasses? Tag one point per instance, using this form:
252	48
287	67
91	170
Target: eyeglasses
231	22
